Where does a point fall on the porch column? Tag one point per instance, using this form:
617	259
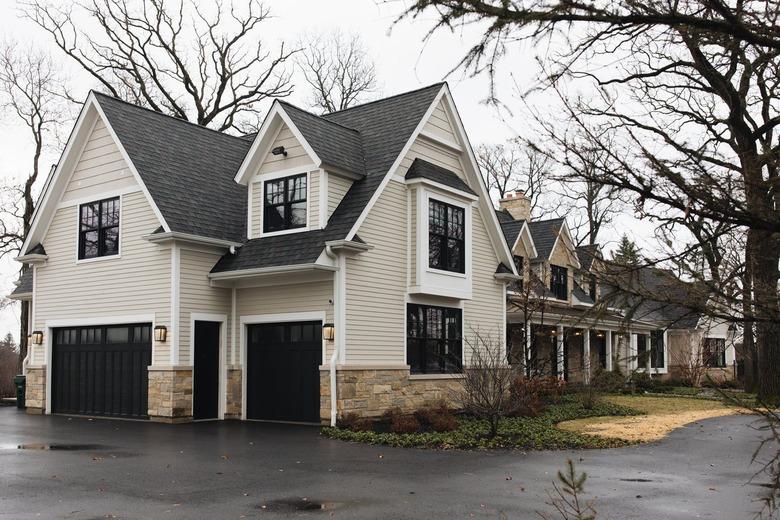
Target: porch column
586	355
559	352
608	338
528	354
632	352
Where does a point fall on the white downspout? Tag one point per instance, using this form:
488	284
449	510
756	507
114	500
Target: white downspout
337	298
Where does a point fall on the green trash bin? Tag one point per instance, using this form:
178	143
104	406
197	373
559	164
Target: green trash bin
20	382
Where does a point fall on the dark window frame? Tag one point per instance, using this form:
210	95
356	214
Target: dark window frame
434	351
592	287
286	203
444	261
519	266
714	352
101	229
657	354
559	282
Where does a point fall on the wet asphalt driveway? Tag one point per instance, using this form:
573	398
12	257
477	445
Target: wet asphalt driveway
119	469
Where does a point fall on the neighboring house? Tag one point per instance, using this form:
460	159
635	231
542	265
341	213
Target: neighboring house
565	314
180	273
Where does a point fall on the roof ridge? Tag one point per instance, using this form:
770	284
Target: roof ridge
296	107
440	83
152	111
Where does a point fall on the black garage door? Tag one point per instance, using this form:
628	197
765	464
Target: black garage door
283	379
101	370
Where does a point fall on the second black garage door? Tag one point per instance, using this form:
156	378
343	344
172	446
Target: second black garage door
283	379
101	370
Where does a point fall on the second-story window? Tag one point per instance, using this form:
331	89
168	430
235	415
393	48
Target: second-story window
446	232
99	228
592	288
559	282
284	203
519	262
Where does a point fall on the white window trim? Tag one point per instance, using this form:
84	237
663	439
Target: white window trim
270	318
118	255
50	325
223	345
261	180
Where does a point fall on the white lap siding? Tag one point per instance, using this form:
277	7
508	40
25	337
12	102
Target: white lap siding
197	296
337	188
137	283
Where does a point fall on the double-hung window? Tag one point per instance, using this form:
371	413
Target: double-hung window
434	339
99	228
715	352
446	237
284	204
559	282
657	349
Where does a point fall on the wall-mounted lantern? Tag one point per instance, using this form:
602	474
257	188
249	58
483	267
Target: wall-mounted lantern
160	333
328	332
279	150
37	337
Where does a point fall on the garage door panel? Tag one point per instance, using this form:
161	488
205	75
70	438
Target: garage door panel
283	371
101	370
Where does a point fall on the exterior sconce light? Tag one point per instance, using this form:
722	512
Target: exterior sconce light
279	150
328	331
37	337
160	333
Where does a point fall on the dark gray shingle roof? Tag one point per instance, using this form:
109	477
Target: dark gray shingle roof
544	234
384	127
504	216
335	144
586	254
24	285
580	294
188	169
511	230
422	169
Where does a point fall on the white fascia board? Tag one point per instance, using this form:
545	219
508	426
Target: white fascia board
485	204
528	240
265	138
186	237
442	187
247	273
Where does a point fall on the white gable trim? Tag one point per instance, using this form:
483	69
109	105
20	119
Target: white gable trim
528	241
62	173
265	137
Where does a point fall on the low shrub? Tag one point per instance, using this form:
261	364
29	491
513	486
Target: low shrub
526	394
405	424
437	416
352	421
608	381
552	389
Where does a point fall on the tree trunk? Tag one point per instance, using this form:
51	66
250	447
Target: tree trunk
767	310
24	316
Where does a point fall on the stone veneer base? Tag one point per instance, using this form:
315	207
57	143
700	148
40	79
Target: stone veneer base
170	395
35	390
372	392
233	394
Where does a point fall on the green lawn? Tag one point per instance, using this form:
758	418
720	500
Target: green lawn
537	433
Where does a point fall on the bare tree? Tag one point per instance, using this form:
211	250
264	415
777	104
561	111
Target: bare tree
338	69
34	94
514	166
173	57
697	136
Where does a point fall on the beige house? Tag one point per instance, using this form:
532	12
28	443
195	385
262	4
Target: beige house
563	320
179	273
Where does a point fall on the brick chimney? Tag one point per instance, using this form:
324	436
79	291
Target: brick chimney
517	204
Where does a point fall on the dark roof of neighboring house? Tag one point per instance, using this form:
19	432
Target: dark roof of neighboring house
586	254
504	216
336	145
581	295
421	168
657	295
384	127
544	234
188	169
24	285
511	230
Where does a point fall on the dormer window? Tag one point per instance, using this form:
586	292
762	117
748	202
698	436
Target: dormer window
99	228
559	282
446	232
284	203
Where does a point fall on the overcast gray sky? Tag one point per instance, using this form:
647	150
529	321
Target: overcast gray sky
404	62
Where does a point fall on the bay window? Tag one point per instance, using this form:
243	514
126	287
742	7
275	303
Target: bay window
434	339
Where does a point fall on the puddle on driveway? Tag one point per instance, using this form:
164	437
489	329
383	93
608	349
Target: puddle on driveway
290	505
52	447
